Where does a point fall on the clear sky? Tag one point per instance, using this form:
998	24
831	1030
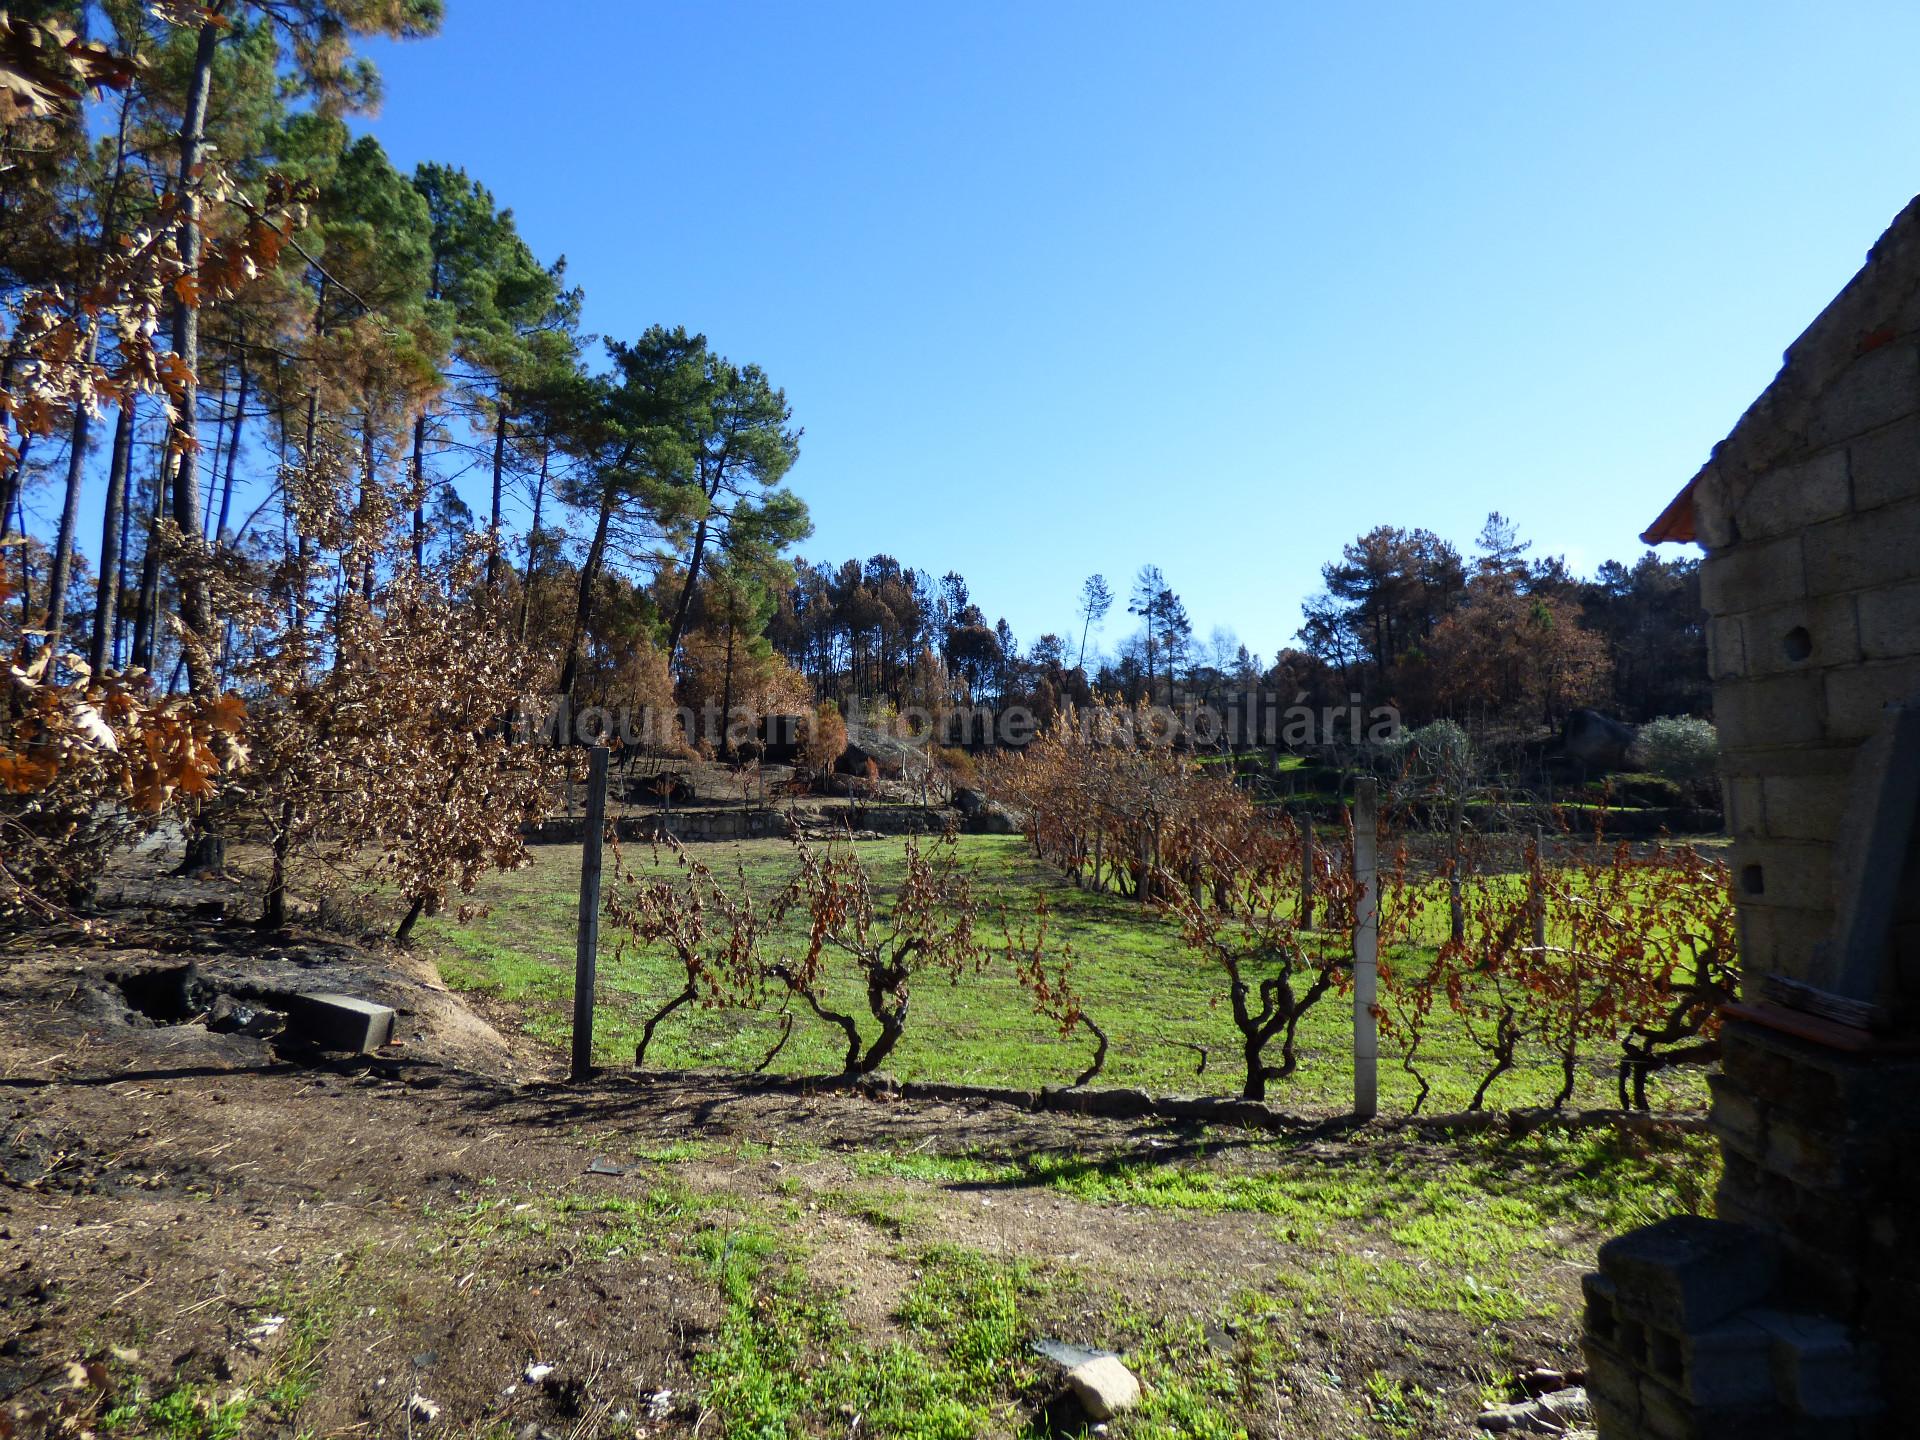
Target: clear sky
1057	288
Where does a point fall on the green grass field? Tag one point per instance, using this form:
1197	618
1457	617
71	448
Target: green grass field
1156	1001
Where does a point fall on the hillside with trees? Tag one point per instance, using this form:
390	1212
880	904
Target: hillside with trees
638	500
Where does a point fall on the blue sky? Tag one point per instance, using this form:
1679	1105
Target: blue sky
1057	288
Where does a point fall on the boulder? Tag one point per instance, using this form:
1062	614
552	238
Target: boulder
1097	1380
1103	1386
969	802
1597	741
780	738
993	818
666	787
892	757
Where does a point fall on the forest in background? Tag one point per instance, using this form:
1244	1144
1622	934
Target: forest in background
254	375
406	353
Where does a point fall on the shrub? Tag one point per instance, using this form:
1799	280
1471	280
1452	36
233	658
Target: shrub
89	764
1118	813
1439	751
958	766
825	739
1681	748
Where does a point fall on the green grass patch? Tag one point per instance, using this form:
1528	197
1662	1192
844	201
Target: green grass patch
785	1361
1388	1228
1156	1001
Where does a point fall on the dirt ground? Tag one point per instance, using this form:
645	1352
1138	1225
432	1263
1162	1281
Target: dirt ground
207	1234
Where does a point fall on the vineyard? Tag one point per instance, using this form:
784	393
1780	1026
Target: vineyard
1152	928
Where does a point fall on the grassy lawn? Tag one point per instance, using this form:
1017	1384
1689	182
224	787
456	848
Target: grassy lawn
1410	1285
1156	1001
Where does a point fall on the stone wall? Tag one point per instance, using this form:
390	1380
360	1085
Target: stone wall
1685	1341
695	825
1810	513
1794	1312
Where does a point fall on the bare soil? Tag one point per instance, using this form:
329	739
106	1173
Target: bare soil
166	1192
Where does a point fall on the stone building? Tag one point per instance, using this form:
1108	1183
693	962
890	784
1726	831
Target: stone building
1796	1312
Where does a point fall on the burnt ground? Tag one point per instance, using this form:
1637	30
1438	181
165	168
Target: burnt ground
210	1234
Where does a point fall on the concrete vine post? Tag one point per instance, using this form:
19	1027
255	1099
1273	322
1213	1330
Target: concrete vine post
587	947
1366	949
1306	873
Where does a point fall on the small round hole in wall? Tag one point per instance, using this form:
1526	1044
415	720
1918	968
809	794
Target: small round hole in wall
1753	880
1797	644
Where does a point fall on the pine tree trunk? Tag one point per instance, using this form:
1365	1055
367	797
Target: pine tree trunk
420	491
726	700
82	424
11	479
219	449
26	566
113	550
304	544
125	464
273	914
493	522
194	606
233	448
63	541
589	572
368	480
681	611
533	539
146	623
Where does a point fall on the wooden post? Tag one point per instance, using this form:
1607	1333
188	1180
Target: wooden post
1306	873
1366	949
587	949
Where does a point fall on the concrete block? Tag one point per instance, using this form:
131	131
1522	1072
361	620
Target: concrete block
1782	873
1735	1118
1857	696
1726	648
1727	1365
1687	1273
1713	520
1789	498
1890	619
1802	807
1777	710
1821	1370
1602	1316
1859	552
1809	634
1769	760
1806	1158
1885	465
1736	1199
340	1022
1665	1414
1753	574
1782	941
1879	387
1616	1419
1745	799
